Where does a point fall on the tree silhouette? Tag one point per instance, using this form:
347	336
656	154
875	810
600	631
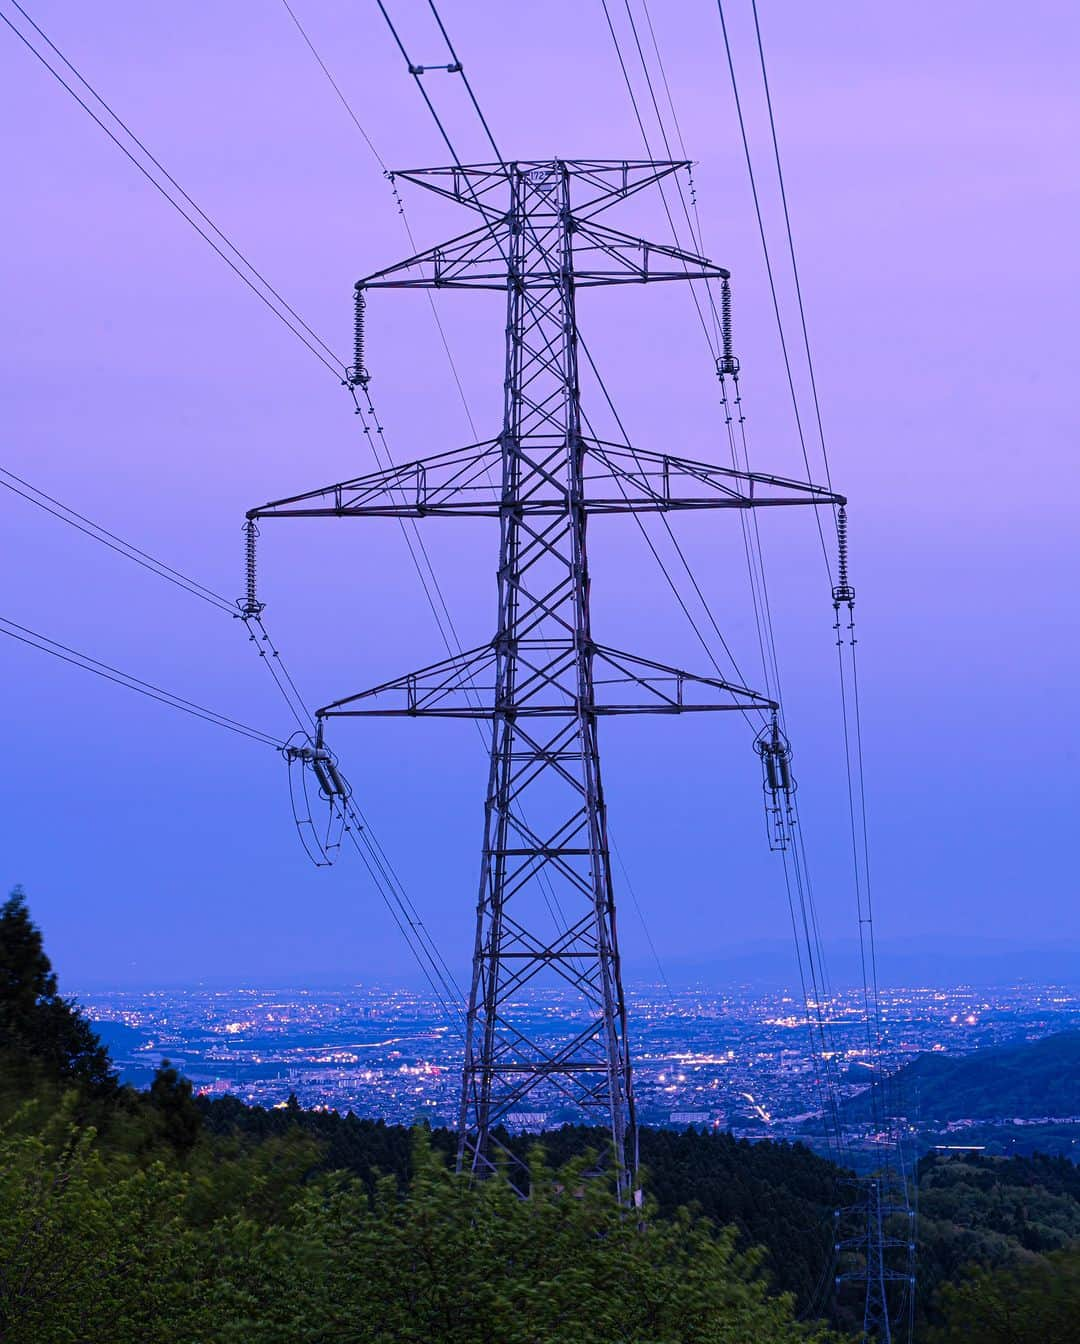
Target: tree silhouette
43	1036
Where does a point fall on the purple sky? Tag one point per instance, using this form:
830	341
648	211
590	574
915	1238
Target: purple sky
931	157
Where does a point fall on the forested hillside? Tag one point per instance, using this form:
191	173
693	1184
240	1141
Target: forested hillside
1038	1078
777	1196
142	1217
157	1216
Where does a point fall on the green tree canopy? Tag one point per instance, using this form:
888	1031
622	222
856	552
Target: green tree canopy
95	1249
1033	1303
43	1037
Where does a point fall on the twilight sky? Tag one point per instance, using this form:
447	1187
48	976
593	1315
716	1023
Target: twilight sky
933	175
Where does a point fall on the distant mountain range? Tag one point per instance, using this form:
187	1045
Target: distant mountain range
1029	1081
940	960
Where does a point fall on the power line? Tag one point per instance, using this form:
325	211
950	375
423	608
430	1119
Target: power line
468	86
372	855
769	269
655	553
115	543
791	246
389	176
375	859
132	683
843	594
762	612
371	852
649	151
284	312
417	74
334	85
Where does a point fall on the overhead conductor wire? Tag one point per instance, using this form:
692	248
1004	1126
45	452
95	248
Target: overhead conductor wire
882	1111
550	894
817	996
375	433
799	896
239	264
83	661
851	715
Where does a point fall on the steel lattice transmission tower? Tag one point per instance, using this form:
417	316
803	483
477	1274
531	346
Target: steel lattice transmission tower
546	909
883	1260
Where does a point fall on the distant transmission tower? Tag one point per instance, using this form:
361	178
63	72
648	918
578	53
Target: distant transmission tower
883	1261
546	908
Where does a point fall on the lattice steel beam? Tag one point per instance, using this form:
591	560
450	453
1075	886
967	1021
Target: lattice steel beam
546	910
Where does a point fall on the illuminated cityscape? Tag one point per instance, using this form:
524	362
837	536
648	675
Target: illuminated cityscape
737	1059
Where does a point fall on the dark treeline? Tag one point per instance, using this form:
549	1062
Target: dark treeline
128	1216
778	1196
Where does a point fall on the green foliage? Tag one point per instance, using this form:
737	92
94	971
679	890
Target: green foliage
238	1248
86	1250
469	1264
1033	1303
43	1037
174	1109
778	1196
988	1215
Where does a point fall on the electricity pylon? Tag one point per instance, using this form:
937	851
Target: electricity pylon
884	1196
546	908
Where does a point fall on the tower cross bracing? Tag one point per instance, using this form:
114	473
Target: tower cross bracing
546	911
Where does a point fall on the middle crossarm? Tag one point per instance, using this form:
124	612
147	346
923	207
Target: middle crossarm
617	479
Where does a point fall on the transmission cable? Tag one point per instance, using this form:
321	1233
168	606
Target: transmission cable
503	165
114	674
850	707
769	271
371	852
389	176
649	151
651	545
284	313
852	748
374	857
468	86
763	620
856	803
115	543
697	242
791	246
331	361
697	235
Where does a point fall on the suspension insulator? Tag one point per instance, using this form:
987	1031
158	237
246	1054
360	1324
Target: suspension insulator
727	363
358	375
784	762
250	604
319	764
331	780
775	752
843	592
341	787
